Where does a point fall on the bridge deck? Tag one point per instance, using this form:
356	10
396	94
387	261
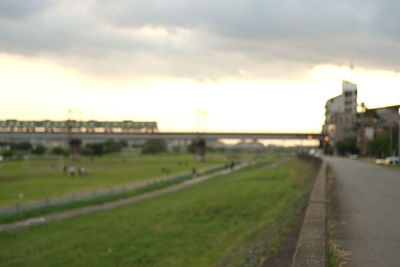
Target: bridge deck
158	135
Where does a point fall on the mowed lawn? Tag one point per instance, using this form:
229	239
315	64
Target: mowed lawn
212	223
40	179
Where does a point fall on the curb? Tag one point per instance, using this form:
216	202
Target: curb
311	245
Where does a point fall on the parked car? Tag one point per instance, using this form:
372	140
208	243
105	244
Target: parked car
392	160
381	161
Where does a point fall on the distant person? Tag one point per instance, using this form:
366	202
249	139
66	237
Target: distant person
194	171
72	171
65	169
82	171
232	165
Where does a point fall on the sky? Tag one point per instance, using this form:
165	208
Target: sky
221	65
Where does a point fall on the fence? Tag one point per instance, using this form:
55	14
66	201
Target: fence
97	194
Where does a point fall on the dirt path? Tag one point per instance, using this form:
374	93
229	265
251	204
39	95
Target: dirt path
113	204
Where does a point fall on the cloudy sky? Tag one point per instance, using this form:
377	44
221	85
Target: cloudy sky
252	65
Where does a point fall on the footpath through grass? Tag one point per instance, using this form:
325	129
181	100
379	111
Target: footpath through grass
41	179
219	222
55	208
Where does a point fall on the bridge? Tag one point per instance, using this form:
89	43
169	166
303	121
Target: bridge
63	132
90	137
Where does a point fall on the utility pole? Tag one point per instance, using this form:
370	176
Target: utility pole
351	71
74	144
391	142
201	120
398	132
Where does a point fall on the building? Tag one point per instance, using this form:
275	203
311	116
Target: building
376	121
341	114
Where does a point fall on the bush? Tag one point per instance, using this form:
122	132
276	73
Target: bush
8	153
192	147
379	146
58	151
21	146
111	146
154	146
39	150
96	149
347	146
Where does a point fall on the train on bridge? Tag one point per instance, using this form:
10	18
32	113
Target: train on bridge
74	126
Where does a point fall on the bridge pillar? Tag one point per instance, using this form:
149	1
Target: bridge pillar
75	146
200	150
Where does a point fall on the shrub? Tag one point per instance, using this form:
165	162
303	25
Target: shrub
154	146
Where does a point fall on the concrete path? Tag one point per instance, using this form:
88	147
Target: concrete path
366	200
114	204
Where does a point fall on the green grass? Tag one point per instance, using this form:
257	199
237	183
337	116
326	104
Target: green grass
26	214
336	256
222	220
41	179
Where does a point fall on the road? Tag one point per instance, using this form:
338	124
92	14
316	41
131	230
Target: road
366	201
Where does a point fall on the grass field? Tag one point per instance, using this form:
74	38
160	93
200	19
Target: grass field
219	222
40	179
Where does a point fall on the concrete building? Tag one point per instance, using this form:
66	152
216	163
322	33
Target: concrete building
341	114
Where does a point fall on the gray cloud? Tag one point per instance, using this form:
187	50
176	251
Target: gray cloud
203	39
20	9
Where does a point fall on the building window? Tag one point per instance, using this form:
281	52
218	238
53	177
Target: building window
347	94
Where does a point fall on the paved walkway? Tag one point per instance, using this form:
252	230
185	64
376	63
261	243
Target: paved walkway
113	204
366	201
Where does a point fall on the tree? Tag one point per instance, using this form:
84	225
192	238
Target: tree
96	149
379	146
347	146
8	153
111	146
154	146
192	147
39	150
21	146
198	147
58	151
108	147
